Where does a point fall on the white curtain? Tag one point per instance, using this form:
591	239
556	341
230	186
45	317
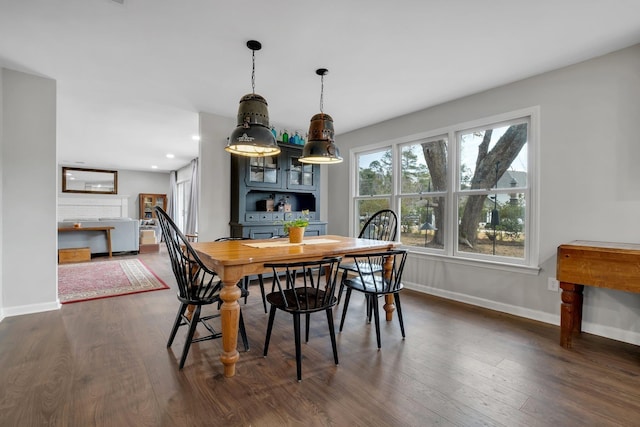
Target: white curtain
191	227
172	202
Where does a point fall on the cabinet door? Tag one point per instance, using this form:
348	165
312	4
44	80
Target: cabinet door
263	172
301	176
147	204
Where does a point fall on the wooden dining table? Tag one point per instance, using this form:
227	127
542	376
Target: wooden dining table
235	259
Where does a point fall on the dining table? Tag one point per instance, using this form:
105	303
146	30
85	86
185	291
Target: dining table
232	260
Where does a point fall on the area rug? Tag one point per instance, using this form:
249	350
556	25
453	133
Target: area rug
105	279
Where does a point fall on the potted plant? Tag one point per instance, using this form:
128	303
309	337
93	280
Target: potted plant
295	227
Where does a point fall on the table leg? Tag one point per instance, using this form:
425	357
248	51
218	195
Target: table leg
109	242
570	312
389	307
230	316
389	303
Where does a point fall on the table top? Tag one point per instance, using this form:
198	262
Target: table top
244	252
600	246
86	228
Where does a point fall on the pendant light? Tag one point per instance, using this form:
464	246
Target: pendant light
320	147
252	137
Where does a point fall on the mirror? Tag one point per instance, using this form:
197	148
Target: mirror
79	180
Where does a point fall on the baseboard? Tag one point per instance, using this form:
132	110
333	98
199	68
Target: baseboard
30	309
553	319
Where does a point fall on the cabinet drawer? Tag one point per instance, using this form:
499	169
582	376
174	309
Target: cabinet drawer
259	217
66	256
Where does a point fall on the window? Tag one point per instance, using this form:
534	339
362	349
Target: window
492	190
373	183
184	188
466	192
423	193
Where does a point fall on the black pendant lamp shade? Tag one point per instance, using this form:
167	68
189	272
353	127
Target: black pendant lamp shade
320	147
252	137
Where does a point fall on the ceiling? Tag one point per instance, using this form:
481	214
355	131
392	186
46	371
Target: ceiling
132	75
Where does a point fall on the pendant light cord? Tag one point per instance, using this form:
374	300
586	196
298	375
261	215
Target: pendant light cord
253	71
321	93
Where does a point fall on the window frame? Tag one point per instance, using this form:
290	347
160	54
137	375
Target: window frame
453	192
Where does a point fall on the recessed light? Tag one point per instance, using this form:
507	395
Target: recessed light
170	156
195	137
154	167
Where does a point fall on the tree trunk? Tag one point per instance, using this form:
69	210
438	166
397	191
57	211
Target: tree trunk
490	166
435	154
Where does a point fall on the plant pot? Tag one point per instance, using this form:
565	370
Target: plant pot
296	234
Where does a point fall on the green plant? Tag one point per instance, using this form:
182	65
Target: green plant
301	221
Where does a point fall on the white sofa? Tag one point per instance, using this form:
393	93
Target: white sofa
125	236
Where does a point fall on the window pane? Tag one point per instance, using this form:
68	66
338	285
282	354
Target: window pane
494	158
424	166
366	208
501	233
374	177
422	221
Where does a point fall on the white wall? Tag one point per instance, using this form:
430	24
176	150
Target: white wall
215	166
28	254
1	191
132	183
589	186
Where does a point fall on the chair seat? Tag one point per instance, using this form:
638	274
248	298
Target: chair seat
308	300
368	286
364	267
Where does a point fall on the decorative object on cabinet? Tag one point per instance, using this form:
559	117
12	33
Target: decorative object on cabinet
320	147
148	202
253	137
81	180
266	192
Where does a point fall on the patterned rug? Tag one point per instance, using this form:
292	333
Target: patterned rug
104	279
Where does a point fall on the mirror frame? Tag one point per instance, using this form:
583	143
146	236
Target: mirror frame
65	189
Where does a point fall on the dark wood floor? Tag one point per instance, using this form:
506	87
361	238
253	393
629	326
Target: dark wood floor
105	363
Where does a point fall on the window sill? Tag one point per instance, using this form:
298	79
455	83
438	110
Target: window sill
514	268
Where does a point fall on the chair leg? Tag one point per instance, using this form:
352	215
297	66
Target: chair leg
243	333
192	329
264	299
332	333
296	333
369	302
344	276
396	296
347	297
176	324
246	288
272	315
308	321
376	315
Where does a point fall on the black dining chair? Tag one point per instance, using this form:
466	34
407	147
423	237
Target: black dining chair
198	286
382	225
309	287
379	274
245	282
